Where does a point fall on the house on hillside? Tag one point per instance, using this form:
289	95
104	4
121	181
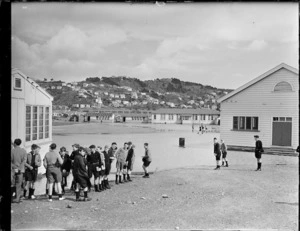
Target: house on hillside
31	113
134	95
267	106
122	96
185	116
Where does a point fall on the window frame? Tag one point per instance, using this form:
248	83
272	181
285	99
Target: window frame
35	123
241	123
16	87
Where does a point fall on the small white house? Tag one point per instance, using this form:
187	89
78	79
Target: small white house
267	106
31	113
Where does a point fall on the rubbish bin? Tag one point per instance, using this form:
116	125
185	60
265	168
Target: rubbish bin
181	142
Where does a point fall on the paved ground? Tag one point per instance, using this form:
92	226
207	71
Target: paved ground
198	197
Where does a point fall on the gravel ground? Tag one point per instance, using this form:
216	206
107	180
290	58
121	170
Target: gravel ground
196	198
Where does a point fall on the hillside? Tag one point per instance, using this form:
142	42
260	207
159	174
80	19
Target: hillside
124	91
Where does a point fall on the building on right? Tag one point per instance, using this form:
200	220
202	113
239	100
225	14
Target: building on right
267	106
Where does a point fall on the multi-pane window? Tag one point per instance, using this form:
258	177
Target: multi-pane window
282	119
28	123
34	123
245	123
47	122
41	122
154	117
37	123
163	116
18	83
170	116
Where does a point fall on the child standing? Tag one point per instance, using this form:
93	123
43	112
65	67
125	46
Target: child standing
121	155
130	160
146	160
52	163
80	174
32	164
224	153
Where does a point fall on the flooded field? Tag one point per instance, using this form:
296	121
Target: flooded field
163	141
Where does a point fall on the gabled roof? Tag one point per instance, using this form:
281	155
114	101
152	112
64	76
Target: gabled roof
32	82
259	78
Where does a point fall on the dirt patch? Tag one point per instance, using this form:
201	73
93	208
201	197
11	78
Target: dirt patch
191	198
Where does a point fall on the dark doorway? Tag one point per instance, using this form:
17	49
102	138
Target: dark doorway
282	133
124	119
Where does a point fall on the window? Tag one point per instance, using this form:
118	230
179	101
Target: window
254	123
28	123
34	123
154	117
41	122
283	86
245	123
235	122
47	122
170	116
248	122
17	83
242	123
163	116
282	119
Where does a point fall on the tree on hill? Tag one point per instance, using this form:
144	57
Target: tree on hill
109	81
45	79
93	79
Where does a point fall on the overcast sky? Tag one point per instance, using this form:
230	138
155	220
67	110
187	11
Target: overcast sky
219	44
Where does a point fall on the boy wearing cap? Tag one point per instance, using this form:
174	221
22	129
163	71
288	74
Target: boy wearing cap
32	164
80	174
72	156
65	167
146	160
18	160
94	160
52	162
217	153
108	160
224	153
121	155
130	160
258	152
102	171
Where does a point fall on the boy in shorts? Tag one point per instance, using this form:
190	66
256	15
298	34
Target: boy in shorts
52	163
146	160
32	164
121	155
94	160
130	160
217	153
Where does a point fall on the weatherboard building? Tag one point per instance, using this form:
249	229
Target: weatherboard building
31	113
266	106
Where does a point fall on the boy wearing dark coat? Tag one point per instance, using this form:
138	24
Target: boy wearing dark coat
32	164
130	160
258	152
109	156
65	167
94	160
80	174
217	153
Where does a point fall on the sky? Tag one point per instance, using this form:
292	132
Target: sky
224	45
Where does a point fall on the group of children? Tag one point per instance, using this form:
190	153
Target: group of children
84	163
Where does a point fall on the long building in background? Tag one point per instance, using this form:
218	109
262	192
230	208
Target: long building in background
267	106
185	116
31	113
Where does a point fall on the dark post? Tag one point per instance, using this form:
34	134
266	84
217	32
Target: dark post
181	142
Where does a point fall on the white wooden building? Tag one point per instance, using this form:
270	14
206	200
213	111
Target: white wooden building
31	113
267	106
185	116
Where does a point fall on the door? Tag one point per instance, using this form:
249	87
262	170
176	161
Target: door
282	131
